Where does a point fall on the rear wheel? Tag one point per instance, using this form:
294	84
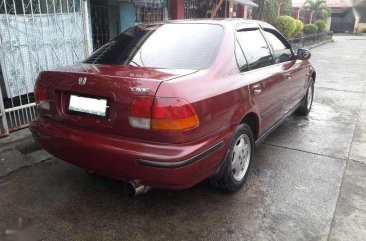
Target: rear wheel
234	170
307	102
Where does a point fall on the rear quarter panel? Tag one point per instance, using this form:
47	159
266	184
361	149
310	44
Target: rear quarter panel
219	95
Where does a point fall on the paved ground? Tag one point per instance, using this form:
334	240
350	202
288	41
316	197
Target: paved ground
308	180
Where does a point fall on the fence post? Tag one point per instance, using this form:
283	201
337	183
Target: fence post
3	115
85	4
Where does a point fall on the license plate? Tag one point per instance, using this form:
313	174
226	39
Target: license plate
86	105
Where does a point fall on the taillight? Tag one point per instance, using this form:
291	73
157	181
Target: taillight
140	112
167	114
173	114
40	95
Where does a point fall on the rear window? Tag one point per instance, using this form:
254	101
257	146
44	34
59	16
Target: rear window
170	46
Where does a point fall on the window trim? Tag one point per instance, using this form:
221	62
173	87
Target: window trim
237	45
281	38
251	28
269	46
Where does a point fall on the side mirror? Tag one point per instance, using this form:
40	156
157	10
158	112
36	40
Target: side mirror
303	54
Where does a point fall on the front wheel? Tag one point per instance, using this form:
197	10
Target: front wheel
235	168
307	102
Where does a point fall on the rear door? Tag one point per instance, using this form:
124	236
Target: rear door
264	78
293	72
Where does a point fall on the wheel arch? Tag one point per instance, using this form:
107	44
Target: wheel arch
313	75
252	120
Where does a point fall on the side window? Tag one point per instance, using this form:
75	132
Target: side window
255	48
281	52
240	58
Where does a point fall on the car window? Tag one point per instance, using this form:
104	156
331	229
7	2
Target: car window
170	46
240	58
281	52
255	48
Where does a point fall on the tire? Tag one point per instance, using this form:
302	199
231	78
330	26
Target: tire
234	170
307	102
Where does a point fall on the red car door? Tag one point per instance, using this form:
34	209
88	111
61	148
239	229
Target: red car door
293	71
264	78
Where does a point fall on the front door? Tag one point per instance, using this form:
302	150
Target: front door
265	79
293	73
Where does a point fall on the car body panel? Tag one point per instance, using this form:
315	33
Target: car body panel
114	83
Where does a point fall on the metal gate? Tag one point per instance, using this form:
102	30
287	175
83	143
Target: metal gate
105	22
198	8
35	35
342	21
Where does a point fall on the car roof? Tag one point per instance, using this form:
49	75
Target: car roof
222	21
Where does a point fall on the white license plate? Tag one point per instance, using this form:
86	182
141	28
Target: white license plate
91	106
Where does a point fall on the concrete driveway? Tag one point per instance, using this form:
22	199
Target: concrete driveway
308	181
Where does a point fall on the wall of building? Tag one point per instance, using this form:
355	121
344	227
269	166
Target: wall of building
176	9
127	15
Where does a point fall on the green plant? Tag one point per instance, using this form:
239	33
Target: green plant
299	27
310	28
317	9
363	30
272	12
269	10
286	25
321	25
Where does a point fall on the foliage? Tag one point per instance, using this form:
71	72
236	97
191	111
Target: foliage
310	28
299	27
317	8
321	25
363	30
286	25
269	10
285	7
272	13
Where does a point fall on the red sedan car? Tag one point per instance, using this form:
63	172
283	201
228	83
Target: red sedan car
170	104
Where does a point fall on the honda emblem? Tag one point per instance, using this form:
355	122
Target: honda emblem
82	80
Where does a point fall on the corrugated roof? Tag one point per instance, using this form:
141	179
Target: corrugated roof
246	2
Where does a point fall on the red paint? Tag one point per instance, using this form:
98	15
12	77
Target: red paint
220	96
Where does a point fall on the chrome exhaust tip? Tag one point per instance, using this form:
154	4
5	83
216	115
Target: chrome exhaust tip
135	189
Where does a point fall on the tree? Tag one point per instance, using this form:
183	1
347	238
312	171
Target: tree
269	10
316	9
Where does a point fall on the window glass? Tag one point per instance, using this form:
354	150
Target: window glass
240	58
255	48
281	52
170	46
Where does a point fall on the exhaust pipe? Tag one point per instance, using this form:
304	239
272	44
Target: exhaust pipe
135	189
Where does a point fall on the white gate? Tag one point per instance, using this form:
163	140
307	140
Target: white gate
35	35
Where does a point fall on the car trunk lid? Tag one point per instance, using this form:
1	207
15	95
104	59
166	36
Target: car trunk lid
115	84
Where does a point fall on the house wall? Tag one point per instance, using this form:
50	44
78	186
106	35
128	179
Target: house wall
176	9
127	15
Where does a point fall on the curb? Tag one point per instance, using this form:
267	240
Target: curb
19	150
323	43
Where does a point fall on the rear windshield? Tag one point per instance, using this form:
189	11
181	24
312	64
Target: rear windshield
169	46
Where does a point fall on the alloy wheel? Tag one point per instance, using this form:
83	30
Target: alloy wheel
241	157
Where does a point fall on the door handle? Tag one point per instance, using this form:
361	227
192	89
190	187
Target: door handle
257	89
288	76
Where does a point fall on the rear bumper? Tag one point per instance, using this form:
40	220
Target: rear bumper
172	166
